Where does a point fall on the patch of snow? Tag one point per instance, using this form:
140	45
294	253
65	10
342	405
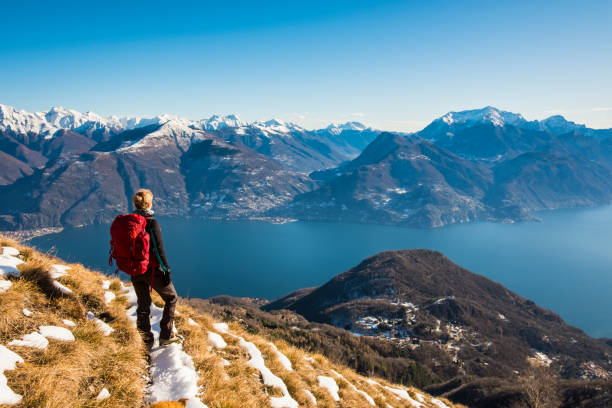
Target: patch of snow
62	288
419	397
106	284
285	362
33	339
221	327
501	316
224	362
129	292
543	357
442	300
104	394
69	323
26	313
403	394
216	340
308	358
363	393
8	361
10	251
256	361
57	271
5	285
192	322
312	397
108	296
8	266
195	403
56	333
330	385
173	375
102	326
438	403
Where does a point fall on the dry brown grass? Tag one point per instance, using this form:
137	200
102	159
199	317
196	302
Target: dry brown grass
69	374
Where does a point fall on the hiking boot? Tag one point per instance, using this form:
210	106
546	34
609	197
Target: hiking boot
174	339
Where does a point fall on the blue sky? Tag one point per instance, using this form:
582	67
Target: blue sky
394	65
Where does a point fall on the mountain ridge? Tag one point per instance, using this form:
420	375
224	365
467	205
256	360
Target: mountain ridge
415	298
476	165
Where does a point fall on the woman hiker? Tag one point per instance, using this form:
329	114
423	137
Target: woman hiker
160	281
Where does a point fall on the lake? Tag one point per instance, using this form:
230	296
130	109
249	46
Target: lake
563	263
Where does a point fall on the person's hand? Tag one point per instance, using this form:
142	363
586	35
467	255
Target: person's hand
166	278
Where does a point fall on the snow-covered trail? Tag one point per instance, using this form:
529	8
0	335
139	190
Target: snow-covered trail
172	372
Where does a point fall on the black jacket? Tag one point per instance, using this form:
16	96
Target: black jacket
154	230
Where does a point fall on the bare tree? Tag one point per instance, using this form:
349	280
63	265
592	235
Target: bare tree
541	387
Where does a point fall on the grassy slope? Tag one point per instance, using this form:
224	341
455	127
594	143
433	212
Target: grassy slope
73	373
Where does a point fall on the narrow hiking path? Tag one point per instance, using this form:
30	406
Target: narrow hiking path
172	374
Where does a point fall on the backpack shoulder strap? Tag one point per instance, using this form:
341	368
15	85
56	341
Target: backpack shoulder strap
154	241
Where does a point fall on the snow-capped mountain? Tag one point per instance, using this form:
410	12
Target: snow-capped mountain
217	122
46	124
488	114
291	145
337	128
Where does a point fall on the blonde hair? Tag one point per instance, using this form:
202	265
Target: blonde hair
143	199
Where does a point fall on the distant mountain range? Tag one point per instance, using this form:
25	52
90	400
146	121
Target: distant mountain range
481	164
64	168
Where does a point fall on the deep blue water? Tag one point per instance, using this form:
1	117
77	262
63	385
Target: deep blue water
563	263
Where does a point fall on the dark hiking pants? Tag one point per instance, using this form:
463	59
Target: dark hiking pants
167	293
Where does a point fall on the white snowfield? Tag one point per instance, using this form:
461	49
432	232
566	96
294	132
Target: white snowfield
330	385
215	340
363	393
8	361
106	284
285	362
26	312
256	361
56	333
34	340
172	372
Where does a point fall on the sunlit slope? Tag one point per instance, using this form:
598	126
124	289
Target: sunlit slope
67	338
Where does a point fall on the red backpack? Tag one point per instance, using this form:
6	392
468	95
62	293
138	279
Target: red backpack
130	244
